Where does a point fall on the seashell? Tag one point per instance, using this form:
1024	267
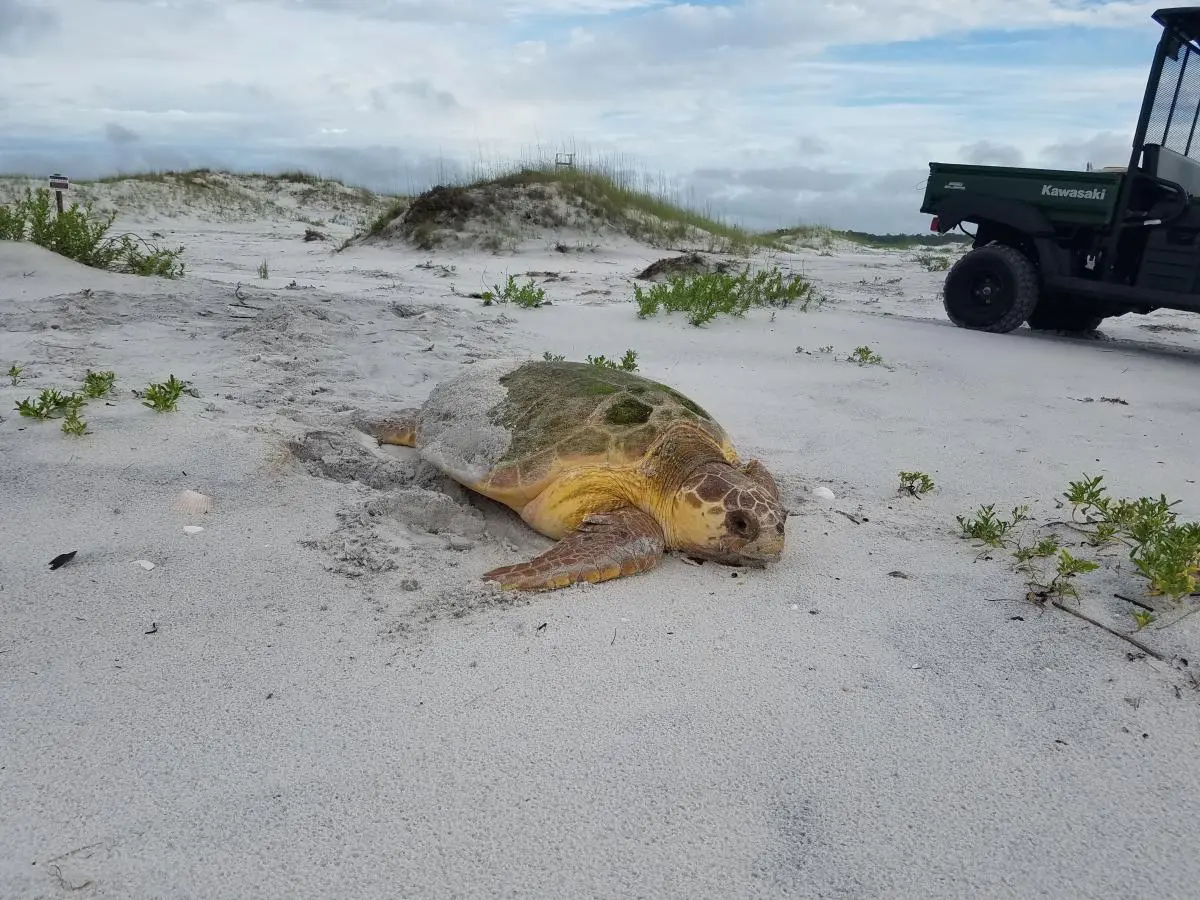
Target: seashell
192	503
145	564
823	492
192	529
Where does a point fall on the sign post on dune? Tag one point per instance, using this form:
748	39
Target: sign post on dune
58	184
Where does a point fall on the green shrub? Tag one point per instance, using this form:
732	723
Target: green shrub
627	363
81	234
1163	551
932	262
528	295
704	297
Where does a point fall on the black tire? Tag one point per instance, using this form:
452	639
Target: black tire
991	288
1058	316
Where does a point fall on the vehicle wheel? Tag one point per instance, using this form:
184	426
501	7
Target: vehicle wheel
991	288
1049	316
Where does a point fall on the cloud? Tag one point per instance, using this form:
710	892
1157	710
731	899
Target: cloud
987	153
419	90
763	108
1104	149
119	134
473	11
24	24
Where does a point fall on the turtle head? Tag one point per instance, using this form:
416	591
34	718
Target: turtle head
729	514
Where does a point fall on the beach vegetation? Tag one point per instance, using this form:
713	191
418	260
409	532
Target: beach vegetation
163	396
915	483
1163	551
527	296
81	233
97	384
864	356
50	403
704	296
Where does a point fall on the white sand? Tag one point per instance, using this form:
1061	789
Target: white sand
316	697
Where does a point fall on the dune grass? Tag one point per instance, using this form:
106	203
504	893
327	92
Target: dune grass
655	217
609	190
217	195
821	237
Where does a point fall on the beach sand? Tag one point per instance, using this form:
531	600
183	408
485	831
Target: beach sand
316	695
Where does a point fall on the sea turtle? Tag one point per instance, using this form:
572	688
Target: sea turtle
614	466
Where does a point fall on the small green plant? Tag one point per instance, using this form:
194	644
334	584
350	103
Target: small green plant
1047	546
1142	618
263	271
990	528
1170	560
705	296
553	357
162	396
14	372
1164	551
73	425
1085	494
141	257
48	404
97	384
627	363
1060	585
527	296
933	262
915	483
864	356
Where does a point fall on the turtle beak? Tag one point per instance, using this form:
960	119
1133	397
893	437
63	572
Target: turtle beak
768	547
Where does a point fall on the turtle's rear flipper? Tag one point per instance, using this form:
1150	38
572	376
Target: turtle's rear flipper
399	428
606	545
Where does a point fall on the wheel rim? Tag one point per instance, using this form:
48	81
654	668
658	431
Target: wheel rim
984	296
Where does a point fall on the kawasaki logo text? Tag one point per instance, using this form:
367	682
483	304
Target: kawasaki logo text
1049	190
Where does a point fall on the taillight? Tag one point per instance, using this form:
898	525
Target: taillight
933	226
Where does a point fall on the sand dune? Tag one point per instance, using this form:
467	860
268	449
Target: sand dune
315	695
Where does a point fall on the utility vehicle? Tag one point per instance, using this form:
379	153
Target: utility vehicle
1064	249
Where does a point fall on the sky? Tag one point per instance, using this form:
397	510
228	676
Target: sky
768	113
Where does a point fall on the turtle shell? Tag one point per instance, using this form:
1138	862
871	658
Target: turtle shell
507	428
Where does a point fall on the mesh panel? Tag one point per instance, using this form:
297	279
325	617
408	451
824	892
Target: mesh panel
1173	115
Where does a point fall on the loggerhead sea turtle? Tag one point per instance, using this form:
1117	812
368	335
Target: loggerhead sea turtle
616	467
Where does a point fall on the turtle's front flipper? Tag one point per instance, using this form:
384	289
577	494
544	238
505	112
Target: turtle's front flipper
606	545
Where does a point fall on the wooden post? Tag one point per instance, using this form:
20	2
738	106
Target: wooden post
58	184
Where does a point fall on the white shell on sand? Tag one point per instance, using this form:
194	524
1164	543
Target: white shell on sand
192	529
145	564
192	503
823	493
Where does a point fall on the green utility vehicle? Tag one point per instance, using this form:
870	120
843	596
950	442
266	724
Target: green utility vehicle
1063	250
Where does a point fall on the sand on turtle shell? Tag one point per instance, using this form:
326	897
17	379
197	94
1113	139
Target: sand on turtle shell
456	433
